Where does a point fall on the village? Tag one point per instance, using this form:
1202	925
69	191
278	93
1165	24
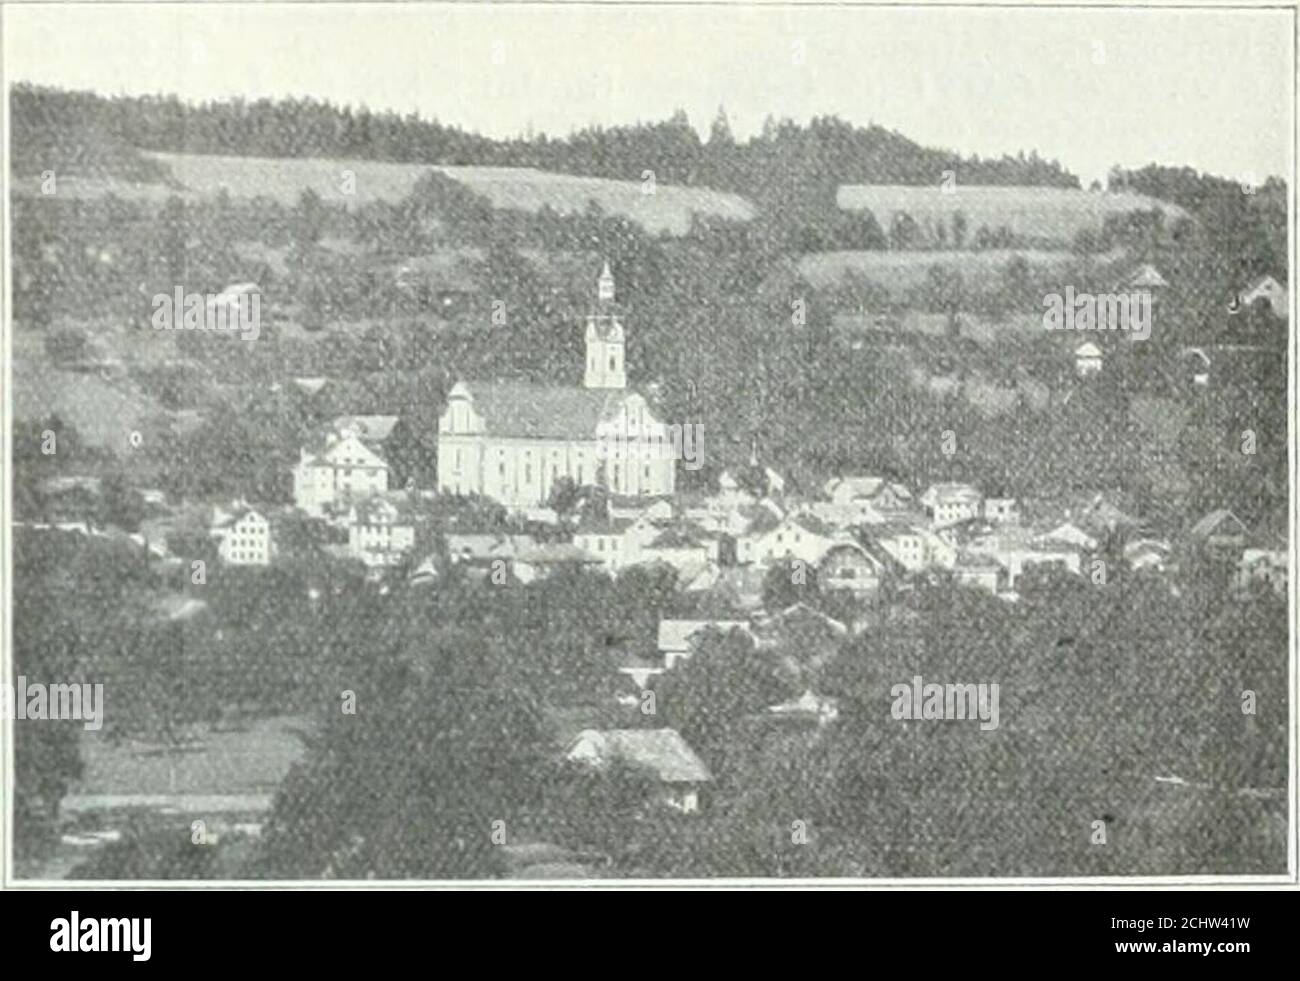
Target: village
528	490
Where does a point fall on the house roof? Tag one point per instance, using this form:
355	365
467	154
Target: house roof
554	553
485	546
1146	277
675	635
662	751
541	411
370	429
1212	522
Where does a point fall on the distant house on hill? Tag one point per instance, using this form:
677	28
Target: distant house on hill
1145	277
1268	289
1221	533
1087	359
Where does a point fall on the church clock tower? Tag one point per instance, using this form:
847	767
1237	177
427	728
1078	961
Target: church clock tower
605	364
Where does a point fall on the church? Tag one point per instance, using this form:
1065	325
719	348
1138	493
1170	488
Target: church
513	442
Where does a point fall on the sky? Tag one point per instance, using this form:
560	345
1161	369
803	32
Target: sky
1091	88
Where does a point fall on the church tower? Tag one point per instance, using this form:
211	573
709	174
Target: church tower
605	365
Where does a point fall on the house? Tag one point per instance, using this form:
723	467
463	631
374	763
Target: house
1068	533
484	555
632	508
1221	533
243	535
847	565
912	546
377	533
1263	565
883	494
638	670
338	468
372	430
771	540
948	504
977	570
540	561
860	500
1087	359
1001	510
1196	363
808	707
1015	550
677	638
1147	553
686	549
607	539
803	639
663	753
1267	288
513	442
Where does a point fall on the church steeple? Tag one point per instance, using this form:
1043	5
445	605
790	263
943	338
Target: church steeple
605	366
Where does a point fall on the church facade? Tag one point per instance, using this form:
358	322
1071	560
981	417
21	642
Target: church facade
514	442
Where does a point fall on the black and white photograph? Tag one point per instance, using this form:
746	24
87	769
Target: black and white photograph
555	446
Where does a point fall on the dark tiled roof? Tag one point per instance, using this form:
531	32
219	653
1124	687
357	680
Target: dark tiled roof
541	411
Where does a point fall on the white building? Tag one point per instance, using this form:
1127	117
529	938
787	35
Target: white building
513	442
948	504
340	468
243	535
1087	359
378	535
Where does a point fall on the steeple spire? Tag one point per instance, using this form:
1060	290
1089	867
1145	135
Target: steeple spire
605	285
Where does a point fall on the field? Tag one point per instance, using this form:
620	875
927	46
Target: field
1044	214
668	209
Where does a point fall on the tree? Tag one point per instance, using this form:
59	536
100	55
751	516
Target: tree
66	345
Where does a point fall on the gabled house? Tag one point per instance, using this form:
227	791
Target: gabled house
847	565
1087	359
772	540
680	774
913	546
378	533
1220	533
1267	288
1267	565
339	467
1067	533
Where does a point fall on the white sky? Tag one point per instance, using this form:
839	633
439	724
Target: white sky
1207	88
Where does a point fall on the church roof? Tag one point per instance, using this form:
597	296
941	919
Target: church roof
542	411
